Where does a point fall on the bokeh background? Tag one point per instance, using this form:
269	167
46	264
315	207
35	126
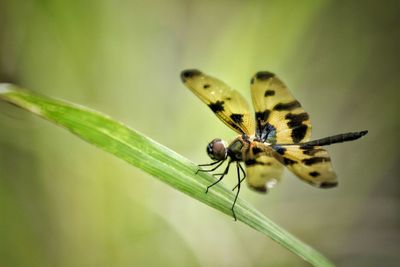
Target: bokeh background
66	203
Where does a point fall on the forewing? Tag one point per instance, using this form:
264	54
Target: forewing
263	170
310	164
279	116
225	102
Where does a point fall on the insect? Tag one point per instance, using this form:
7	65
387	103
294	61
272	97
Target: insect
277	136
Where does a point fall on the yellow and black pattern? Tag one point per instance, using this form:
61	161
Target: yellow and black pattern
225	102
263	170
280	118
310	164
277	137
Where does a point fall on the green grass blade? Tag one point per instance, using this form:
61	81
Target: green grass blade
155	159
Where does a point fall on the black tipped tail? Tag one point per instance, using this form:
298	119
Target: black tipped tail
339	138
187	74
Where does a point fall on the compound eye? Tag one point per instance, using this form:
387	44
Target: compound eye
216	149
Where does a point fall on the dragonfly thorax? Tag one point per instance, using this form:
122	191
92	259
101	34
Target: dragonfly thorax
236	148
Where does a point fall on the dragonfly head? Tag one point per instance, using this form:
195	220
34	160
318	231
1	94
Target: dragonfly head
217	149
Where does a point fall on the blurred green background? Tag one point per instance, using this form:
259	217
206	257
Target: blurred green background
66	203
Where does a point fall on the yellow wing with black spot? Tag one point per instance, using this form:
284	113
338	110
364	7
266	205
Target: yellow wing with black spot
279	116
263	170
310	164
225	102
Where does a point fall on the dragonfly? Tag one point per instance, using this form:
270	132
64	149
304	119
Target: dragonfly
276	136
